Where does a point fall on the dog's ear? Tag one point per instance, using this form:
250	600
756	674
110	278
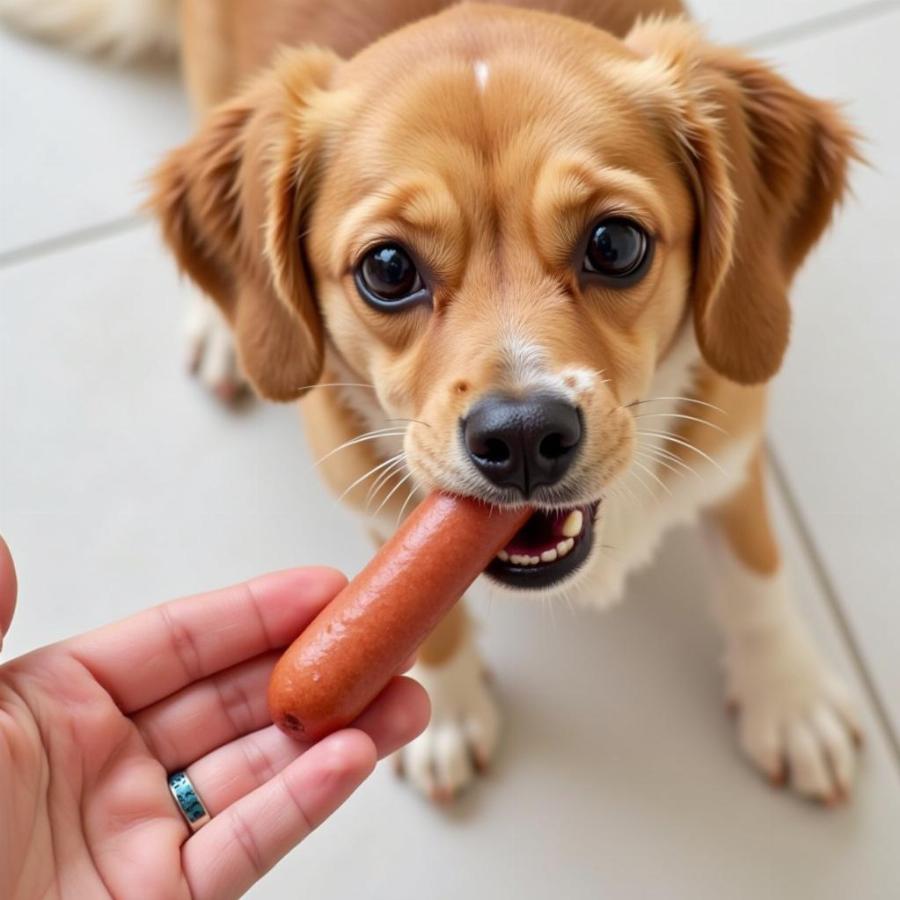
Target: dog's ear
231	202
767	165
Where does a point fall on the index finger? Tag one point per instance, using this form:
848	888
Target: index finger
7	589
153	654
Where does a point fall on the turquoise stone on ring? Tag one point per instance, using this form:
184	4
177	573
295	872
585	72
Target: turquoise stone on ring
189	803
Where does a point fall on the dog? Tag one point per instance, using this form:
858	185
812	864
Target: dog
529	252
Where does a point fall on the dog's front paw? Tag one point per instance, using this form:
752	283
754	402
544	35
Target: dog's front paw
212	356
462	735
796	720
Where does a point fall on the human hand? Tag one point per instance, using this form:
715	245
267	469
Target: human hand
91	727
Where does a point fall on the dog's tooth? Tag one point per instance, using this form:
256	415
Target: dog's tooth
503	556
535	560
563	547
573	524
548	555
517	560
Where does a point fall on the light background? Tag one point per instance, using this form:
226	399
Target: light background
122	484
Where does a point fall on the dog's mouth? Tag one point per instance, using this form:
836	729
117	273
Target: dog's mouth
547	549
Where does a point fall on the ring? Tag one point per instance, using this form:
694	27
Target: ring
188	801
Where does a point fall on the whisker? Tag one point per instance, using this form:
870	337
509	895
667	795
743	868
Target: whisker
615	510
642	483
361	439
617	490
614	494
380	480
666	436
567	593
681	416
414	421
681	399
562	593
385	474
657	461
491	595
653	475
548	604
618	513
368	474
663	454
393	491
309	387
412	493
623	485
653	448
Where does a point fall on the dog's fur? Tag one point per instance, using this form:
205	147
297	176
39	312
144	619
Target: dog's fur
488	137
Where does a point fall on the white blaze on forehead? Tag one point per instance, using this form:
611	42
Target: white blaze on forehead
523	361
481	74
526	368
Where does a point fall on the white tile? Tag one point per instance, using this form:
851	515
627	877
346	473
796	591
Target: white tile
78	136
739	21
121	484
109	443
835	421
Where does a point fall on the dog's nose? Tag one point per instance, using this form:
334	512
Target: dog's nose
522	444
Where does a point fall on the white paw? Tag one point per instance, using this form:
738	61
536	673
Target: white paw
212	355
796	720
462	735
127	28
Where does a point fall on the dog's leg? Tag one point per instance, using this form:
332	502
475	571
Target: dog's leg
122	28
211	352
461	737
795	718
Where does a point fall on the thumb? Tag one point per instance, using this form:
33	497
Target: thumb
7	589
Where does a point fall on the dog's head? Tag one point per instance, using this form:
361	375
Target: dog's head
502	220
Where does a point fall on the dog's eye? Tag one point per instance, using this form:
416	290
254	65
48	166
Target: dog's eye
616	248
387	277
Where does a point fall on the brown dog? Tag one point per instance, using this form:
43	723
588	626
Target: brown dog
543	256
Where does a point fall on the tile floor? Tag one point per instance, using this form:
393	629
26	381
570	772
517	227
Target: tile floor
117	493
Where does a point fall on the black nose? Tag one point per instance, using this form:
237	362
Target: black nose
522	443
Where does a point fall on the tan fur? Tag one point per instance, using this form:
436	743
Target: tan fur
744	521
226	42
492	183
209	68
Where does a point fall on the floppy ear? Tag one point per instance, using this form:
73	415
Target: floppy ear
231	202
768	165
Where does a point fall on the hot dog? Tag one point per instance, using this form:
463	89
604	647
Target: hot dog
350	651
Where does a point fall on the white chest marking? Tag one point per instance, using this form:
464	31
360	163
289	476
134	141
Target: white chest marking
634	523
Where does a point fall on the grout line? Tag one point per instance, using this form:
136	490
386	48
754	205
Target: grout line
819	24
78	238
826	584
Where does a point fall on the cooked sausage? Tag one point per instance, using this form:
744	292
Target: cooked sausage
350	651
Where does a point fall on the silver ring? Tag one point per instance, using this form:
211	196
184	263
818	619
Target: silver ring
188	800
